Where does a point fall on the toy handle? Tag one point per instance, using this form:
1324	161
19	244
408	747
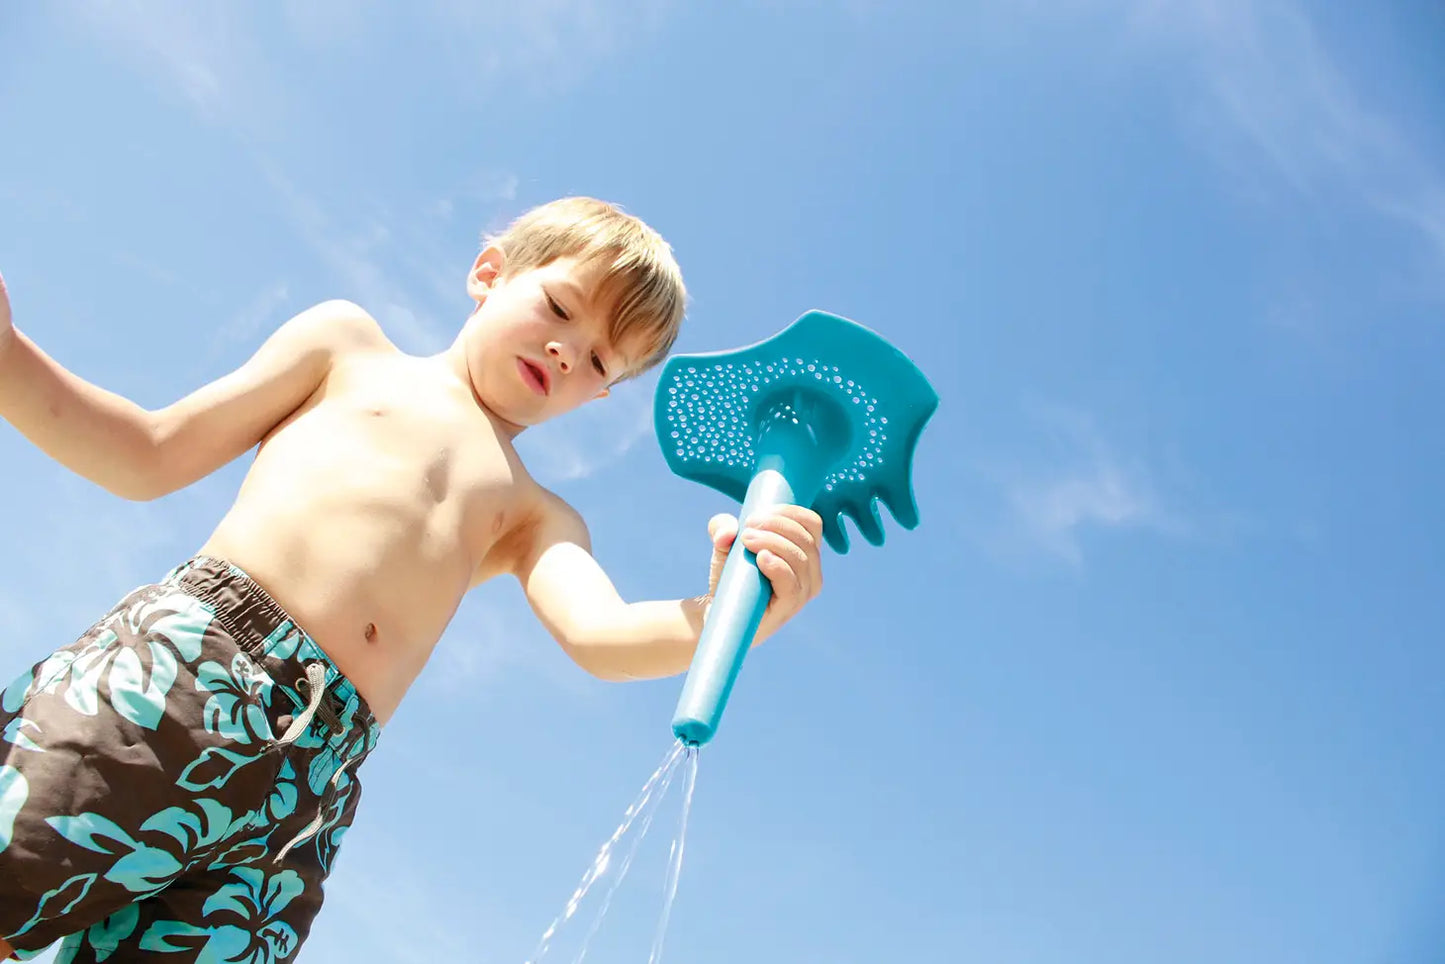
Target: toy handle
738	605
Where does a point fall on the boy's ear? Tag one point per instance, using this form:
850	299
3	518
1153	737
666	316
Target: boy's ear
485	273
602	394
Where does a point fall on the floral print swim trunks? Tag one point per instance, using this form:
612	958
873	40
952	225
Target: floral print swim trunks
175	784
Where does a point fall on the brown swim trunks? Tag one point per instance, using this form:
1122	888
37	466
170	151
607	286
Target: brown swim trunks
175	784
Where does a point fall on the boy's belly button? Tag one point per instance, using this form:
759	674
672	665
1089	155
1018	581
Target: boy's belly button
370	632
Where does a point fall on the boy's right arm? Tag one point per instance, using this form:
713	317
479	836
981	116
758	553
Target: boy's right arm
140	454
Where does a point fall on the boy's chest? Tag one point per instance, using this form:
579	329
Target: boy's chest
436	445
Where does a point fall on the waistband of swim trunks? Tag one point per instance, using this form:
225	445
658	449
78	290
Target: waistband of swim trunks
255	620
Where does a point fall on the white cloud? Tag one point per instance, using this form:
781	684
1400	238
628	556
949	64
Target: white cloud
214	55
355	255
243	332
1079	484
224	67
396	915
1275	108
205	52
494	633
593	437
545	44
484	640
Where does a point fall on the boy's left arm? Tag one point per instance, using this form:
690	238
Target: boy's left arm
616	640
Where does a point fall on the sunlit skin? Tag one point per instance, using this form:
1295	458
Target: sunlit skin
385	486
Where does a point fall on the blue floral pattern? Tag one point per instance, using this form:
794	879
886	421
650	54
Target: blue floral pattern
249	927
147	751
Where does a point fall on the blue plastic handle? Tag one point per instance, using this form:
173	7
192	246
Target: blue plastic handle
738	605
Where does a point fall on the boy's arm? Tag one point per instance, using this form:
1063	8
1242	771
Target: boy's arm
616	640
140	454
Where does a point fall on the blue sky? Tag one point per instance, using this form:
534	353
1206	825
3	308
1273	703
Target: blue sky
1160	676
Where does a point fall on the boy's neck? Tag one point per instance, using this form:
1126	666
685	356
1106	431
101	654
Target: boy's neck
454	358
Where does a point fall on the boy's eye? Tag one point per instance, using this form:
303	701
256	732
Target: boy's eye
556	308
597	364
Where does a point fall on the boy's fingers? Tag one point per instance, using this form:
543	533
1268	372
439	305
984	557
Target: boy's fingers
781	518
784	578
722	528
800	568
789	537
784	545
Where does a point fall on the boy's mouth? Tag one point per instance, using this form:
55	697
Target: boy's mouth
535	376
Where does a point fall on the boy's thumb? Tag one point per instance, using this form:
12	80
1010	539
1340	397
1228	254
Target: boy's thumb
722	528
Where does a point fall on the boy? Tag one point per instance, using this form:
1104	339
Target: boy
174	785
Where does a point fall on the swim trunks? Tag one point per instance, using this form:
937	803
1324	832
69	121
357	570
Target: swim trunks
174	785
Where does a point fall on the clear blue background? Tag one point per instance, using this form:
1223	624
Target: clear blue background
1160	677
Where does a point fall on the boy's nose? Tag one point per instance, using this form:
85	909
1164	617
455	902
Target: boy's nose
561	354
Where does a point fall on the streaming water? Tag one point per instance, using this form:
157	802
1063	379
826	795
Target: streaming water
641	812
674	860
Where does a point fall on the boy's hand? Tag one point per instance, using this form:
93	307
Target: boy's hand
788	543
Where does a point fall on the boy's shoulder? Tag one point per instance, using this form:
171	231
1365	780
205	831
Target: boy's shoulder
554	519
341	325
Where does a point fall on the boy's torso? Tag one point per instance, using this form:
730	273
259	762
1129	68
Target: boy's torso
372	509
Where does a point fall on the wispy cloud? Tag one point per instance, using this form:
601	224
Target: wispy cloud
396	916
241	334
215	60
544	44
206	53
234	67
356	256
1075	484
494	635
1272	104
122	545
489	635
212	56
591	438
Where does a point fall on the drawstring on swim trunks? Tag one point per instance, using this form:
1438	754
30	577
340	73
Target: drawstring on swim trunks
313	686
315	824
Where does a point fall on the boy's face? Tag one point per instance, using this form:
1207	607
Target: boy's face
537	345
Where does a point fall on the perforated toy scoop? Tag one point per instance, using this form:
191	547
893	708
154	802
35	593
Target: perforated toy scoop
824	414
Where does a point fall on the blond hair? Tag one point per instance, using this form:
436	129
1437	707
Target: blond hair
640	277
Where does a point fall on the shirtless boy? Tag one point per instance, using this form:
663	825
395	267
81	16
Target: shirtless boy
174	785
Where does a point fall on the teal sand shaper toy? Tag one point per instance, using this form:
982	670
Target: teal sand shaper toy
824	414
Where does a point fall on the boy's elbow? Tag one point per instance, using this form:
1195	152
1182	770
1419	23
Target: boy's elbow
146	474
144	484
612	674
590	661
595	659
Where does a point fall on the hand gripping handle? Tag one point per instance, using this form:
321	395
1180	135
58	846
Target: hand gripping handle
738	605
